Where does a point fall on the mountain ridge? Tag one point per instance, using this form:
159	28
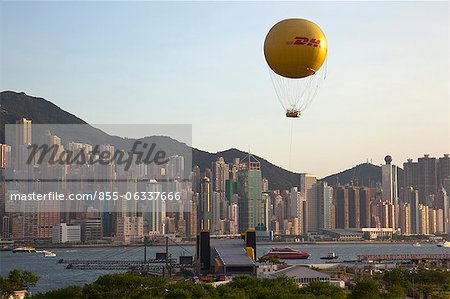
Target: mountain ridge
16	105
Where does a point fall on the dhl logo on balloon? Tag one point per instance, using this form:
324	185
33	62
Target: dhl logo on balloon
304	41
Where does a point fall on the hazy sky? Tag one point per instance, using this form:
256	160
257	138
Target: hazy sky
386	92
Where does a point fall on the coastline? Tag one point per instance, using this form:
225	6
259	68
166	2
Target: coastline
192	243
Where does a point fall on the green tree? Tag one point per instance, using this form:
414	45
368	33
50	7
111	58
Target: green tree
323	289
73	292
365	289
396	291
17	280
271	259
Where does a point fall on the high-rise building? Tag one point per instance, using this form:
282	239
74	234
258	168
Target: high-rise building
266	210
5	162
204	208
424	225
129	229
366	196
413	202
5	156
234	218
445	188
265	185
427	178
389	185
342	207
22	141
231	188
63	233
354	207
155	217
196	178
294	208
91	228
325	205
251	206
410	174
309	191
443	169
220	175
385	214
405	218
234	169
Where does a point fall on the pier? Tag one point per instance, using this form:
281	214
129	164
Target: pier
161	265
442	259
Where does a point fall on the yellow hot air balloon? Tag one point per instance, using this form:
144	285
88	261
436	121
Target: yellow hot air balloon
296	50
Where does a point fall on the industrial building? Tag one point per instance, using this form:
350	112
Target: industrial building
226	256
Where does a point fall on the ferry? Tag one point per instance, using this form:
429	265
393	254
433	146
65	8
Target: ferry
330	256
417	244
24	249
287	253
444	244
46	253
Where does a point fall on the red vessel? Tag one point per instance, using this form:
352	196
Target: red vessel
287	253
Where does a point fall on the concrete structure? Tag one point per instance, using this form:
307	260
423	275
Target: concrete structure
302	275
265	270
129	229
373	233
91	229
64	233
340	234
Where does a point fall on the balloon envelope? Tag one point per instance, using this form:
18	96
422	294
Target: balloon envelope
295	48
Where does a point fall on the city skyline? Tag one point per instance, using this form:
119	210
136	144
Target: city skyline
361	112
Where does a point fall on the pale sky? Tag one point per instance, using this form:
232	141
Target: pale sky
202	63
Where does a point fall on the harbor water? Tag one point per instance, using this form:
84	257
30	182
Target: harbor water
54	275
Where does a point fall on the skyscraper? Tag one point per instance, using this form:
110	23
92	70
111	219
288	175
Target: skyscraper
251	207
413	201
405	218
204	207
354	207
427	178
220	174
325	205
389	184
157	214
410	174
342	209
366	196
443	169
309	191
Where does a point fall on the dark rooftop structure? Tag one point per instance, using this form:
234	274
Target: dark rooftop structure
227	256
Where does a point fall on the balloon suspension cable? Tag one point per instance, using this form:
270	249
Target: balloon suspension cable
290	145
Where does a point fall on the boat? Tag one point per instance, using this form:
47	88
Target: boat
330	256
444	244
287	253
24	249
46	253
417	244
